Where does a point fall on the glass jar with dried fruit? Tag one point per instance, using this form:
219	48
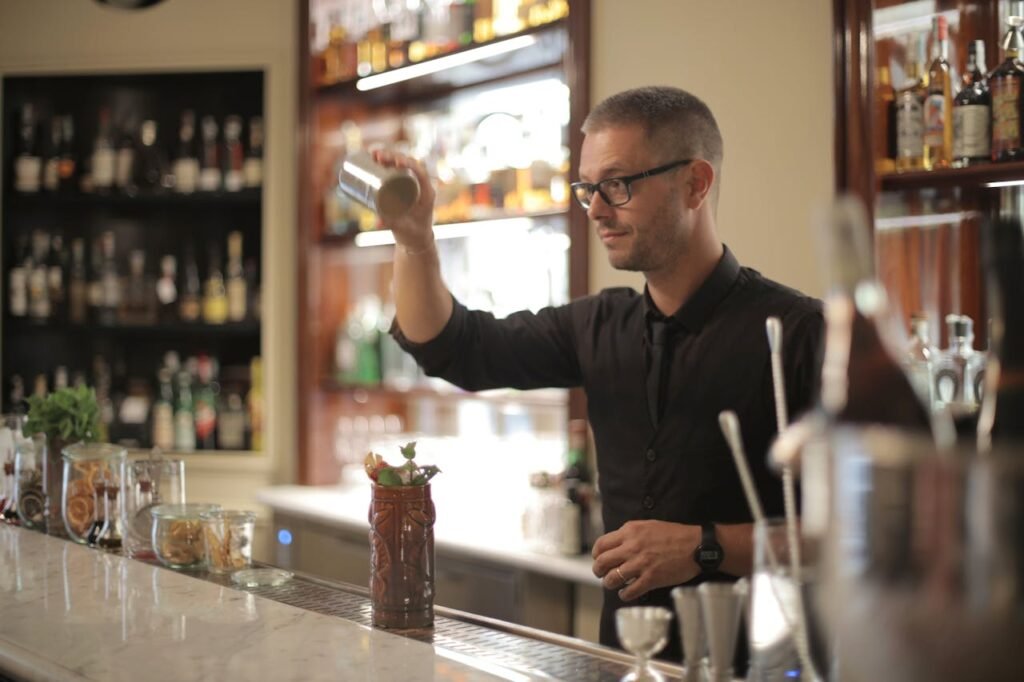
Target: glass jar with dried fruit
88	469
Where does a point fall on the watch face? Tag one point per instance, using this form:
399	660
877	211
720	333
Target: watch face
709	556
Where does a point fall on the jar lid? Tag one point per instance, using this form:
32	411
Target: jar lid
191	510
261	577
229	515
93	451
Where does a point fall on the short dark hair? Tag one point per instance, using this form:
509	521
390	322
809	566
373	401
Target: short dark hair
673	119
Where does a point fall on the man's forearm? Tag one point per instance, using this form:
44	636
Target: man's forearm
737	542
423	303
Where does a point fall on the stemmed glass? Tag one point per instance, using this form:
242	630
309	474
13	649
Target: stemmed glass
643	631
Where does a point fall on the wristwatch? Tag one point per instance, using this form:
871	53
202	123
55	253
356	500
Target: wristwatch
708	554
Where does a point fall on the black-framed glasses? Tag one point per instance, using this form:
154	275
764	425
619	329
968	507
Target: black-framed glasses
616	191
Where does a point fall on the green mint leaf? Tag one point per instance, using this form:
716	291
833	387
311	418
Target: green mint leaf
409	450
388	477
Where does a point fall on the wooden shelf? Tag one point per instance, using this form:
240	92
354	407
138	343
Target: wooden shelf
547	52
245	197
544	397
21	325
971	176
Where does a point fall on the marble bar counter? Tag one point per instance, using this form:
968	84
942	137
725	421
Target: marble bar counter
68	612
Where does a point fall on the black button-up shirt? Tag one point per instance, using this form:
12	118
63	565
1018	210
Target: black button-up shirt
716	358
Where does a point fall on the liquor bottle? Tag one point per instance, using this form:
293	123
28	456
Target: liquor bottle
910	119
236	286
78	287
956	367
150	165
167	290
231	423
95	289
17	282
938	104
38	278
184	417
918	359
110	282
253	169
51	175
861	381
254	404
884	122
103	155
163	412
1007	87
125	157
28	164
67	167
137	308
234	154
483	21
55	280
972	112
1003	404
191	291
206	404
60	377
186	160
210	176
334	65
215	298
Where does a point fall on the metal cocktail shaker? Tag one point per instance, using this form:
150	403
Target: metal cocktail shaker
389	192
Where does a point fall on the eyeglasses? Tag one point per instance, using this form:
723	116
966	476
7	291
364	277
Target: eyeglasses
616	191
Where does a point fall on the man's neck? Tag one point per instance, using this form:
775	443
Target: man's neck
671	289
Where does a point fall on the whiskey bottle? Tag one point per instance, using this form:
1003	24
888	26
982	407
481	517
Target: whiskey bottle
1003	402
78	287
138	306
184	416
28	164
167	290
186	160
210	175
234	154
910	120
103	156
253	169
215	298
972	112
191	291
1007	87
163	412
67	167
885	123
124	158
938	104
236	285
38	278
51	175
17	280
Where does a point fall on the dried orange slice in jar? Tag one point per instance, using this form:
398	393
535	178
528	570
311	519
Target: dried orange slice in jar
79	514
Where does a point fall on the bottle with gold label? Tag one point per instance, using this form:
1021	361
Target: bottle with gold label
215	297
1005	84
236	286
910	119
938	104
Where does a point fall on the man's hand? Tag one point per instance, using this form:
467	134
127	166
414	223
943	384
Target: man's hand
644	555
414	229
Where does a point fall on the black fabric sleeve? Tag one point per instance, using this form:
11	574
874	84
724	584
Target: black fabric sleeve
476	351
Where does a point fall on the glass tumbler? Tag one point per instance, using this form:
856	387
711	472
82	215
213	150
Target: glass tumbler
178	534
146	483
227	536
88	469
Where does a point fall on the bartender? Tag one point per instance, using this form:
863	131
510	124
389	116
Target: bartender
657	367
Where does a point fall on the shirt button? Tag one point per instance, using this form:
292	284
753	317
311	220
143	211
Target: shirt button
651	455
648	502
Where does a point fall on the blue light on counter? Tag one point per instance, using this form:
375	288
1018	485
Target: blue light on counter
284	536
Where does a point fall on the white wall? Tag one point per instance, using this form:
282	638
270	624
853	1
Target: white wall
765	69
47	36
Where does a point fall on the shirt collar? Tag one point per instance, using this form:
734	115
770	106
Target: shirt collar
699	307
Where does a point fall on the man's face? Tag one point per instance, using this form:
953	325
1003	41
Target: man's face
650	231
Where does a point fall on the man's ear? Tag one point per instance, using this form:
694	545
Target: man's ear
701	180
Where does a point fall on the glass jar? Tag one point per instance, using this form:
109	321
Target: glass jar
10	433
178	534
29	493
227	537
88	469
146	483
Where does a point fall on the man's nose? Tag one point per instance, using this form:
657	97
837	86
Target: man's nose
598	207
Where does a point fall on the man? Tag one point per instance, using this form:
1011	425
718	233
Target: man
657	367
